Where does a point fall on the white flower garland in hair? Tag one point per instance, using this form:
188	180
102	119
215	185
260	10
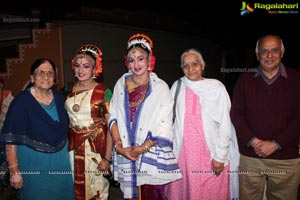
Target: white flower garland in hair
139	41
93	51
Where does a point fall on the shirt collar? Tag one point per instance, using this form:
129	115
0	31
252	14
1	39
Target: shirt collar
281	71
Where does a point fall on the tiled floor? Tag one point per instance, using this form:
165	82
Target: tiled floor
7	193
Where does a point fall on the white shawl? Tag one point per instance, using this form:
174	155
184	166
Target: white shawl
218	130
153	119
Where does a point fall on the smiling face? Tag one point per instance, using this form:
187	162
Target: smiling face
138	61
270	52
43	76
84	68
192	67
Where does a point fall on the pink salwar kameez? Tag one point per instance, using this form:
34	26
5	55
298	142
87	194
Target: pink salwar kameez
198	182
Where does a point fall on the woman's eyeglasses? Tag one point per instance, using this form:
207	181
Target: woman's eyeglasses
42	73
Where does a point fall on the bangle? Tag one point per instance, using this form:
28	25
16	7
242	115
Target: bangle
13	165
146	147
107	160
116	141
116	147
119	142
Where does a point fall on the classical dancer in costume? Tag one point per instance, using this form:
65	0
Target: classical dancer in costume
87	107
141	126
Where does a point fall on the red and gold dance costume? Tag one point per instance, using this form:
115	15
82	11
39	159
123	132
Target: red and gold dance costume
87	141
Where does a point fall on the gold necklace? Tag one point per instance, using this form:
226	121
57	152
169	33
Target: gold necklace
76	107
136	83
84	84
137	103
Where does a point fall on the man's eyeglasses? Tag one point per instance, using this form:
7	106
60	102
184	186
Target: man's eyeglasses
42	73
274	51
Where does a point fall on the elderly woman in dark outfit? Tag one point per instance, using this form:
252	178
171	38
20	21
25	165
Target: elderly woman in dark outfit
35	134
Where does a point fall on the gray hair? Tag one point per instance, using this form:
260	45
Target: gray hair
192	51
260	39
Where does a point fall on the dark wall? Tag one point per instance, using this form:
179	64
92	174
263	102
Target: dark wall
112	40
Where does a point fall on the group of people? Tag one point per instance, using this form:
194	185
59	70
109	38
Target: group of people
183	142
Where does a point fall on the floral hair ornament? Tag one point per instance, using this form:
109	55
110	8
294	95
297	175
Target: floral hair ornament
94	52
143	41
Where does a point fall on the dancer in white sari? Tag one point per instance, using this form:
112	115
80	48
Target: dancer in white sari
141	126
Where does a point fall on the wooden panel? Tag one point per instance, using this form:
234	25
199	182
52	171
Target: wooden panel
46	43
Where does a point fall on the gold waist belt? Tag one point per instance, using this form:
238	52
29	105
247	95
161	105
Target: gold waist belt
82	129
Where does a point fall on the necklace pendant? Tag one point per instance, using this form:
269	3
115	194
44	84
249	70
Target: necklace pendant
76	107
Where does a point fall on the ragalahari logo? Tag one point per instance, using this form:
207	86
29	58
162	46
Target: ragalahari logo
246	9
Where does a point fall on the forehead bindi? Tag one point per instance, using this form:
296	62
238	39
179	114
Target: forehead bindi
83	60
136	52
